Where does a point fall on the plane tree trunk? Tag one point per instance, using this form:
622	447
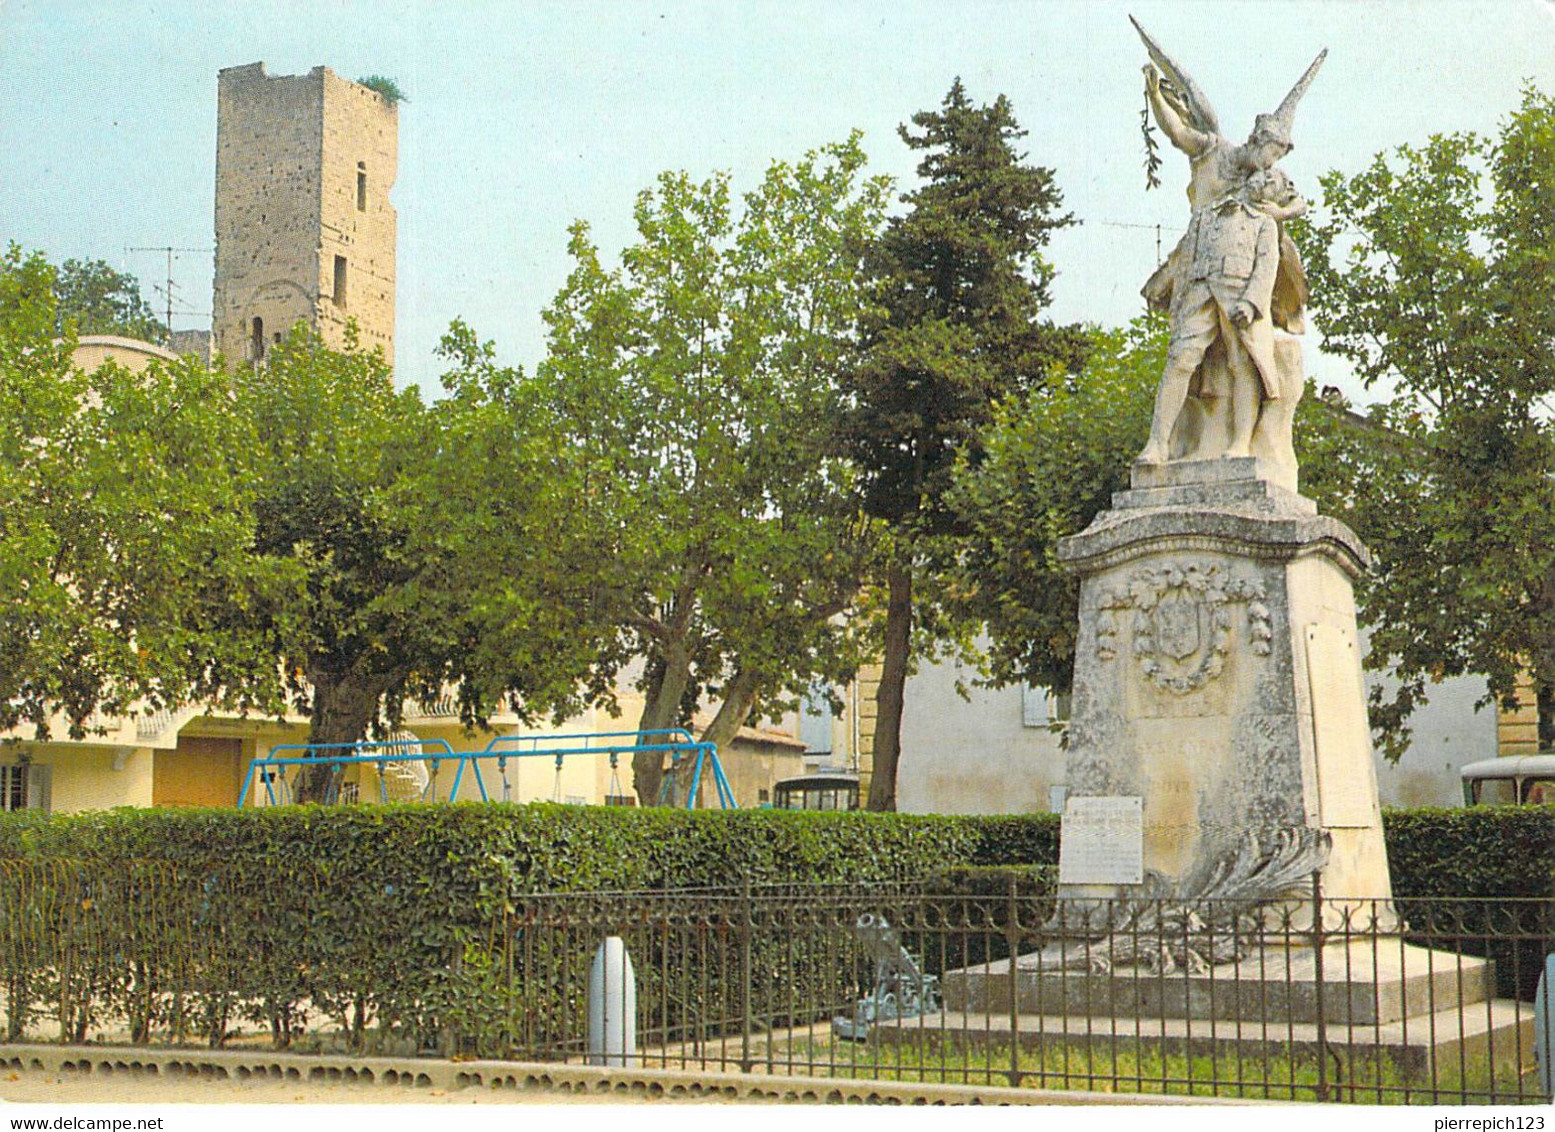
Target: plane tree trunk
344	707
739	699
893	683
661	710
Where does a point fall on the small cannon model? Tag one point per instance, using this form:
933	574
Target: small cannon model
902	990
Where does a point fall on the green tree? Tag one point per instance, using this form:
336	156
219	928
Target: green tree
1431	272
346	474
690	394
123	535
1051	459
959	287
505	510
415	538
95	299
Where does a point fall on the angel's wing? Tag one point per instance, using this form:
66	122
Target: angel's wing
1199	113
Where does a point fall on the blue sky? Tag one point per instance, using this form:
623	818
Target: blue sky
525	116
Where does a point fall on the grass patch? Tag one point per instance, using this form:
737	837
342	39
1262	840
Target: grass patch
1139	1065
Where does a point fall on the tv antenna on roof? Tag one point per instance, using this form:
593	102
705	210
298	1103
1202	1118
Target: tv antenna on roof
168	288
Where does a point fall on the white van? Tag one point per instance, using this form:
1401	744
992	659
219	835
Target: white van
1514	780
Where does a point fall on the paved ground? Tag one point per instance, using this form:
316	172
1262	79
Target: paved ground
48	1088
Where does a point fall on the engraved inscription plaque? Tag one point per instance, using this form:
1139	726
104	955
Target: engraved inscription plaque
1102	841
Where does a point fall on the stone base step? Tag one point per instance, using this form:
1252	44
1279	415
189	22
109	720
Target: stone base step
1496	1033
1365	983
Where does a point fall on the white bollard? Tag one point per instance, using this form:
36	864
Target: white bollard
612	1006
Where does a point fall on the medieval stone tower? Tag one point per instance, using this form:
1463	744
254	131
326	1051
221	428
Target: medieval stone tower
304	227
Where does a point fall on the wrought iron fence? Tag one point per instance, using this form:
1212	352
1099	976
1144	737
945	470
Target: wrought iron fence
1404	1001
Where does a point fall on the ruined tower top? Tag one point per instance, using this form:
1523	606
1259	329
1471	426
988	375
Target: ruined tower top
304	225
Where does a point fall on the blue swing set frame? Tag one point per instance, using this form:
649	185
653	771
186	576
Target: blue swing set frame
272	771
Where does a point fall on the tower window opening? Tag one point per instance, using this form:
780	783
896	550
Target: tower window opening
256	345
340	280
361	186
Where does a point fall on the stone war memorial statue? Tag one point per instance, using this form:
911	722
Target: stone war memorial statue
1226	286
1219	748
1222	871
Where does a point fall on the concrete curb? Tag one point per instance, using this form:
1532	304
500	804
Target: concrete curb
608	1084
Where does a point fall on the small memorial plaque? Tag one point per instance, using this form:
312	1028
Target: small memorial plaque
1102	841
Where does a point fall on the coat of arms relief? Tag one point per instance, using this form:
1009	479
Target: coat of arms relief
1183	619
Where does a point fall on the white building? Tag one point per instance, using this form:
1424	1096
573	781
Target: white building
1001	751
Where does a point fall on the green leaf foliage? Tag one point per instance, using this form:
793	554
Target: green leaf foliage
123	540
335	497
1431	273
1052	459
414	530
685	406
93	298
385	86
1481	851
1502	856
492	850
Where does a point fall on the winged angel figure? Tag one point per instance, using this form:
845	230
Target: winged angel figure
1231	384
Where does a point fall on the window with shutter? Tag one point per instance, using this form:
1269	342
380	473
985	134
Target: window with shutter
38	782
24	786
1042	708
1033	706
13	788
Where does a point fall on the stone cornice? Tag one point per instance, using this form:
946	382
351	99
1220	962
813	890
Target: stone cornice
1116	536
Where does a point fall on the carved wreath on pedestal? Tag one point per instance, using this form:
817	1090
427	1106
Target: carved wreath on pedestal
1173	607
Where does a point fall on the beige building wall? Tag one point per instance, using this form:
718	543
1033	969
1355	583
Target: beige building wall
254	736
93	350
753	766
296	155
995	753
1517	729
89	778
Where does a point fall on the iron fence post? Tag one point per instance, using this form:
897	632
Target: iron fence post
66	966
1012	938
1317	976
747	1005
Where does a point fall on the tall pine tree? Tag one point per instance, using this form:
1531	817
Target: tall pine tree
959	287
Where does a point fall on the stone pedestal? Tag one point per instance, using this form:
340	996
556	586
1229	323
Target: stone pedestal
1427	1013
1219	754
1218	679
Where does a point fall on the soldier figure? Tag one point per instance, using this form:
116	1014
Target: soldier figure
1225	289
1224	286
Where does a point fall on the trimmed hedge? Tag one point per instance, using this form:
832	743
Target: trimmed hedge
1480	851
405	919
407	924
1483	851
1015	839
1503	859
543	847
